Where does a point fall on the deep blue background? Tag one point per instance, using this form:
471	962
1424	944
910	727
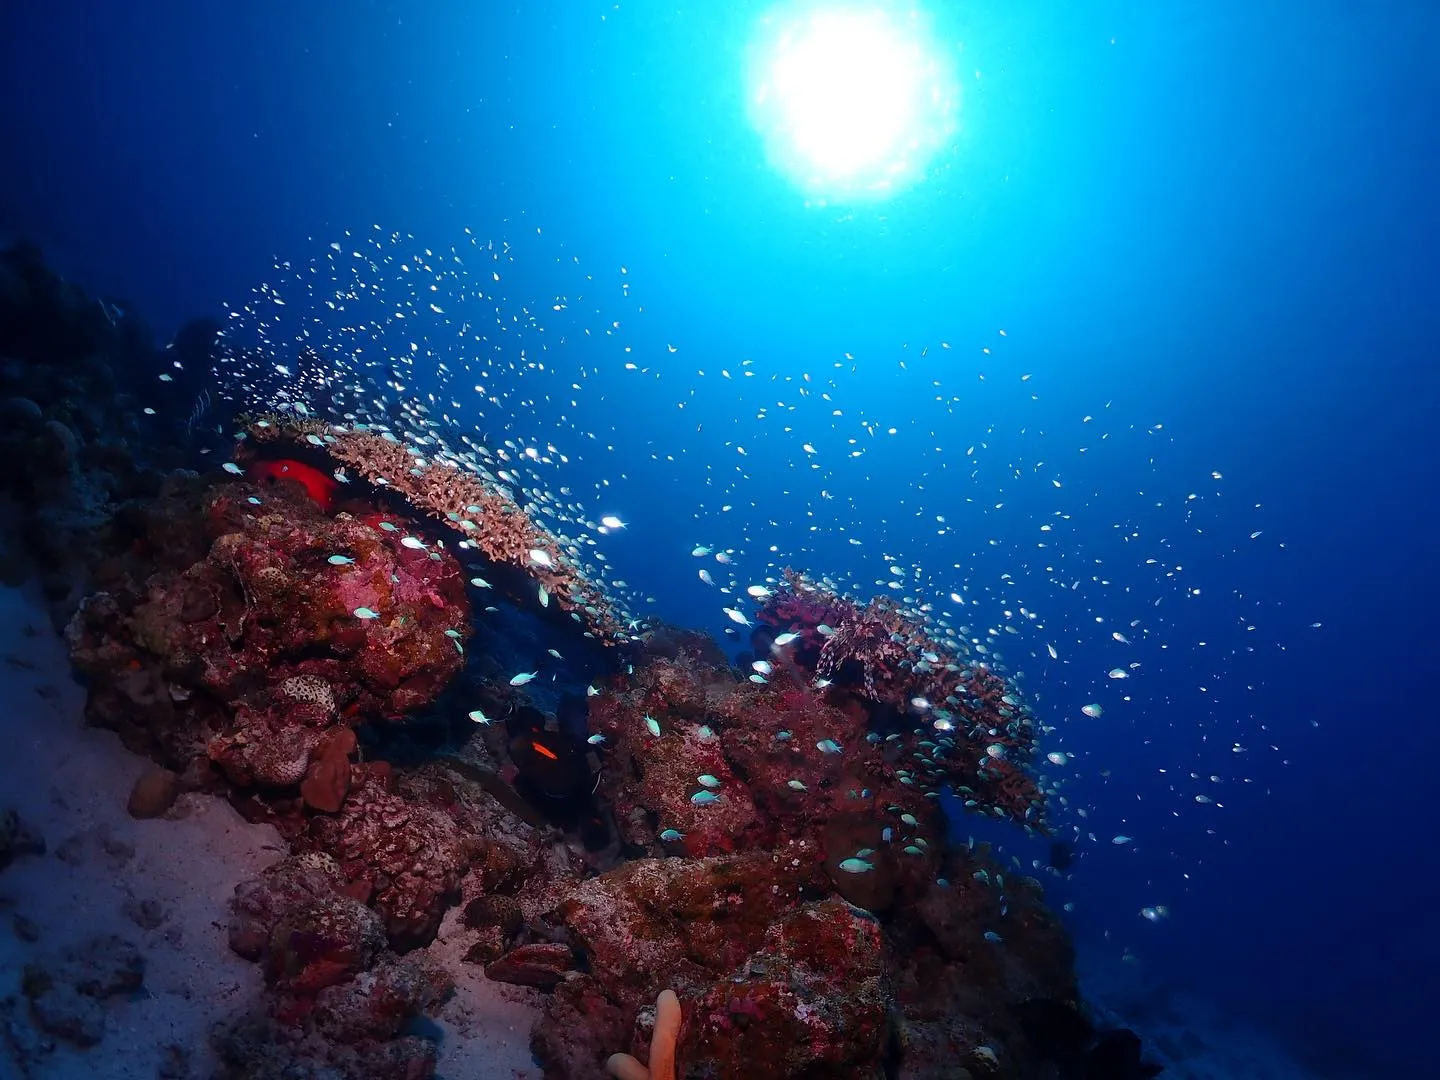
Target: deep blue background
1221	218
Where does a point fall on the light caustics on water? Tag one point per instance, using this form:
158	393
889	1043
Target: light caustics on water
852	103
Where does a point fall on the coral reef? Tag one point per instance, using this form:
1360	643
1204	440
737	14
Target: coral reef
765	857
254	612
906	673
465	497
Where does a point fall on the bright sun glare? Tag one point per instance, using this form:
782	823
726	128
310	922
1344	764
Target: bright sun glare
852	102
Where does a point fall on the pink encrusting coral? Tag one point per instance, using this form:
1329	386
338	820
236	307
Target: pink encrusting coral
888	659
768	808
269	590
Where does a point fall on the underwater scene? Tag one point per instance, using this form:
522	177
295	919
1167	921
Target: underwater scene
819	539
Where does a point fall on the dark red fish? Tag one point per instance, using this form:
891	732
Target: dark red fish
317	485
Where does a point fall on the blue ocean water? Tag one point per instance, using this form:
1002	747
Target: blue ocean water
1166	294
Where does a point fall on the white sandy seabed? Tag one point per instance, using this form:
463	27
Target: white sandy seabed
163	886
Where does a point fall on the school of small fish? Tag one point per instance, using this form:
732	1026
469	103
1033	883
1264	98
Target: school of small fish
802	471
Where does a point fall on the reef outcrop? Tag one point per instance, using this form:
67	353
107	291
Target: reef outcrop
322	631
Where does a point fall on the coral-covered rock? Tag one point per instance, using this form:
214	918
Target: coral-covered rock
657	760
340	1001
828	805
783	761
700	926
378	1003
893	662
676	922
582	1026
813	1001
541	965
403	858
265	749
321	944
285	618
296	918
453	491
260	902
